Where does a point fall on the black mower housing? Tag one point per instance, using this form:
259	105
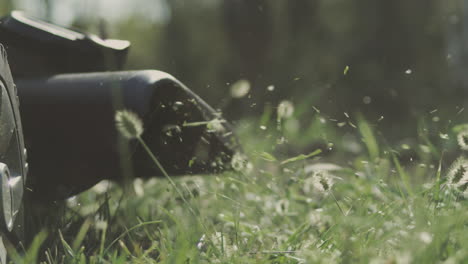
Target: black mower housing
69	91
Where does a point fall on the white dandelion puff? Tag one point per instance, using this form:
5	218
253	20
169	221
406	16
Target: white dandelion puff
462	139
457	171
128	124
239	162
323	181
285	109
240	88
320	181
425	237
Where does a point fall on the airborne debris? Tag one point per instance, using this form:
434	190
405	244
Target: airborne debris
267	156
346	69
367	100
240	163
285	109
316	109
301	157
240	88
444	136
216	125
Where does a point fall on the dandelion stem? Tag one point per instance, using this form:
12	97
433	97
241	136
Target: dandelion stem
158	164
164	172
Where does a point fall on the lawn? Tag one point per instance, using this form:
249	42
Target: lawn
359	201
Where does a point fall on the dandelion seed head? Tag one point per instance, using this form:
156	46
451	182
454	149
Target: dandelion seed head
101	225
282	207
320	181
457	171
128	124
425	237
367	100
240	88
240	163
285	109
462	139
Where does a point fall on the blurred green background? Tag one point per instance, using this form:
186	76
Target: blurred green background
400	63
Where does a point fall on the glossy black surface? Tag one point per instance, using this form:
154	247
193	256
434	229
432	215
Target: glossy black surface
73	143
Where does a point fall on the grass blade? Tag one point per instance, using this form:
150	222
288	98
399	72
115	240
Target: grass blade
301	157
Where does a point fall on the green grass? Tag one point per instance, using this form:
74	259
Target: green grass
377	207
